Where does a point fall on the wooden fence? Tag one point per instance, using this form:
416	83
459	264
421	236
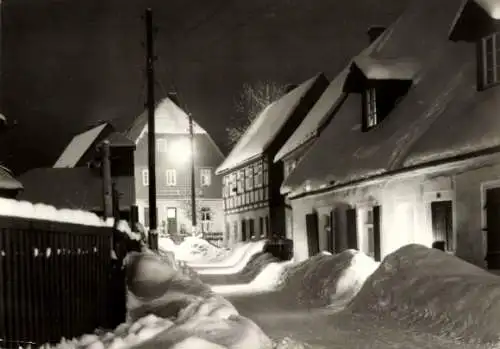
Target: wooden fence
215	238
55	280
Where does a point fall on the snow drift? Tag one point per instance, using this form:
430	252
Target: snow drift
249	272
250	252
25	209
237	253
324	280
192	249
435	292
168	309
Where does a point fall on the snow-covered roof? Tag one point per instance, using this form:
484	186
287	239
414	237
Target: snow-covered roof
387	69
492	7
322	110
445	89
76	188
266	126
169	118
7	180
78	146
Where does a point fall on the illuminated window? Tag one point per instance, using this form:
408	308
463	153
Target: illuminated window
161	145
171	177
145	178
205	177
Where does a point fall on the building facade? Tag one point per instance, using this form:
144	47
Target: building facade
173	172
413	151
253	205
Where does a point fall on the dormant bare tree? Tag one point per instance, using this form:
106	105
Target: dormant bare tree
252	100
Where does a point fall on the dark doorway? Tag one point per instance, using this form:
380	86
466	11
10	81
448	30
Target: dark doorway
251	227
243	230
351	229
493	228
442	224
376	233
312	233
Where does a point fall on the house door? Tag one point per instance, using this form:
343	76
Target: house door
351	229
442	225
251	227
312	233
330	231
172	220
243	230
376	233
493	228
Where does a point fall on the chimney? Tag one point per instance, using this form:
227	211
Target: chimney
374	32
290	88
173	97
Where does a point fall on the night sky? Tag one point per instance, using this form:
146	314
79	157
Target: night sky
67	63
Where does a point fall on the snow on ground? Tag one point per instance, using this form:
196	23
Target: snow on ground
192	249
251	270
25	209
247	254
433	291
323	280
232	258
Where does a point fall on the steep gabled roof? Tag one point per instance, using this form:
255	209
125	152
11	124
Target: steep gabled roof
169	118
78	146
266	126
344	154
75	188
7	180
319	115
492	7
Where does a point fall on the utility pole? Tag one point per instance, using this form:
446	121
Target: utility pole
193	176
150	103
106	180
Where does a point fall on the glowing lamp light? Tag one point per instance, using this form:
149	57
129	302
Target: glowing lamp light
180	151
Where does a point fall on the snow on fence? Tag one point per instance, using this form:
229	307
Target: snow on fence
55	279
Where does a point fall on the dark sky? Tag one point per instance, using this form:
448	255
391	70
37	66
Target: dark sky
66	63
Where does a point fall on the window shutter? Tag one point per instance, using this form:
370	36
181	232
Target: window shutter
312	233
352	229
376	232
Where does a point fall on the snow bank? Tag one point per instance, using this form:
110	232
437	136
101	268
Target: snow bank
268	280
25	209
230	259
250	252
192	249
435	292
251	270
326	279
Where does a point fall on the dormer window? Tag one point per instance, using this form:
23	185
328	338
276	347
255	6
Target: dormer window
370	117
489	64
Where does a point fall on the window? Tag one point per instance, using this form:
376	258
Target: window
370	114
205	177
249	178
490	60
442	225
171	177
240	179
145	178
258	175
232	184
225	186
206	220
161	145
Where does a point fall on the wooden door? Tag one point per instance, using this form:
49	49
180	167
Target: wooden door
312	233
442	224
493	228
243	230
376	232
351	229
